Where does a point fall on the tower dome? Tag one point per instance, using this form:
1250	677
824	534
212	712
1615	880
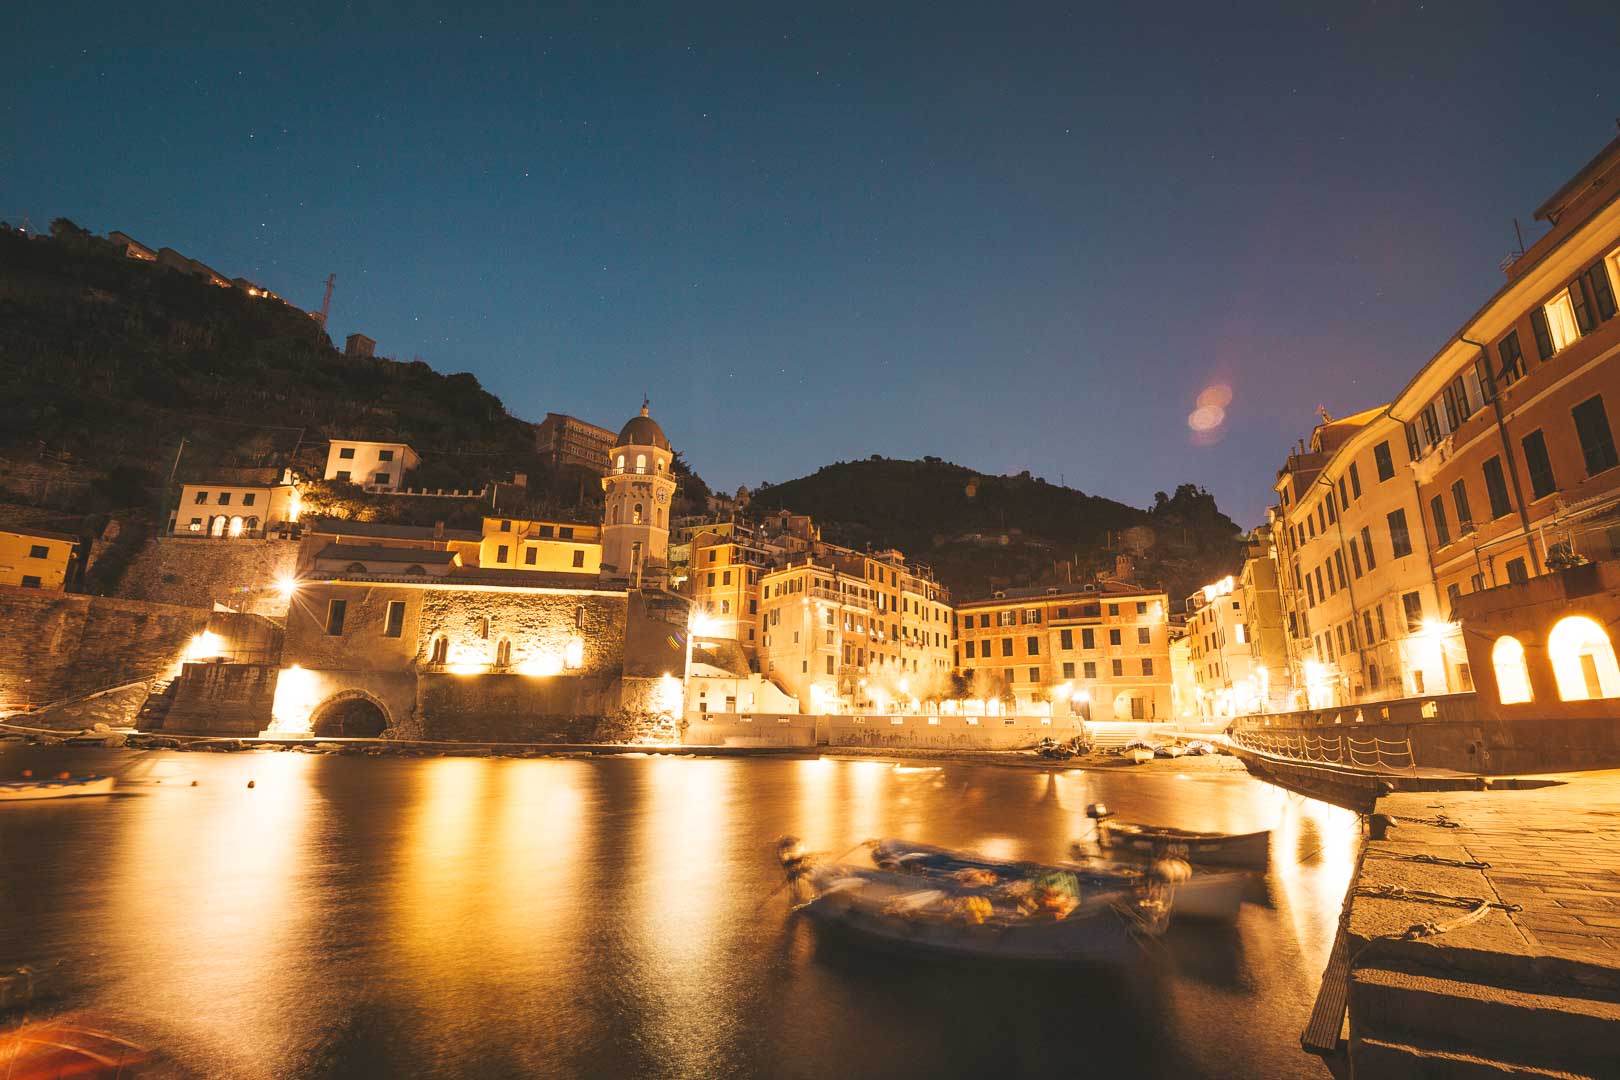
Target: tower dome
642	430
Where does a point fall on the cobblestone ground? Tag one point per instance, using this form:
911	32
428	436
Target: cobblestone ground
1554	851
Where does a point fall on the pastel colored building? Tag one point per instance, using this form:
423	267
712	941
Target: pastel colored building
379	466
234	508
560	547
34	559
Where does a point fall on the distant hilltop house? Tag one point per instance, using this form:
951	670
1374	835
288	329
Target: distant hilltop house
33	559
237	503
174	260
358	345
568	440
377	466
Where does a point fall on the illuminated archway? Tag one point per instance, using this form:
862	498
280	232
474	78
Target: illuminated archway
1583	660
1512	677
352	714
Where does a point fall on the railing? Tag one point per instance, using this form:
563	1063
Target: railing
1343	750
631	470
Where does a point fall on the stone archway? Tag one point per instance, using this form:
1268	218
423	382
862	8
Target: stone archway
352	714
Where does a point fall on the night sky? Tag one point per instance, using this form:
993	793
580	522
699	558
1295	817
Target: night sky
1016	237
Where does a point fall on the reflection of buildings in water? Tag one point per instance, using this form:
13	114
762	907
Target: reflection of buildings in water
220	870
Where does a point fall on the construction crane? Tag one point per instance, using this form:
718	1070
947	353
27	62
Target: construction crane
326	303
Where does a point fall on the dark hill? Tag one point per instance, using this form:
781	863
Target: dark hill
984	532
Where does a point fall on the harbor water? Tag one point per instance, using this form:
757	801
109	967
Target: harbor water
618	917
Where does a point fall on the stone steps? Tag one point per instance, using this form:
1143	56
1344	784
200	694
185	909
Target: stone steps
1405	1061
1409	1024
155	709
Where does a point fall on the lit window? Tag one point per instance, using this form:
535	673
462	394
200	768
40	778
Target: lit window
1561	321
1583	660
1512	678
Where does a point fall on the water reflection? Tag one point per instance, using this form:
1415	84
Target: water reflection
470	918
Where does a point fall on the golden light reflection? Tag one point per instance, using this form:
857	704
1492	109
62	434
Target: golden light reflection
227	865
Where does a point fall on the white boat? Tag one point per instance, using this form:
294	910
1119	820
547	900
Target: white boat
904	913
1203	895
69	788
1139	756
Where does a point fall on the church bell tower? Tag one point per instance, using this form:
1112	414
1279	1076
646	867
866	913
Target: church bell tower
638	489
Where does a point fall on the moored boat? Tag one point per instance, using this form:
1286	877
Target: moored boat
1185	892
59	788
1139	756
904	913
1248	851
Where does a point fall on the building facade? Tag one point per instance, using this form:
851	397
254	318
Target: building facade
1096	652
237	507
541	546
37	560
377	466
638	490
568	440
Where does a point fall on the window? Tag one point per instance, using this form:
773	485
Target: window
579	558
1414	448
346	453
1338	559
1538	464
380	478
1544	342
530	555
39	551
483	627
1511	357
1032	615
1090	669
1355	481
1561	321
636	515
1366	624
1400	540
1088	638
1355	559
725	577
1431	425
1144	636
1310	592
1147	665
1453	594
1033	646
565	532
202	497
1113	637
335	611
1034	674
1344	496
1068	670
385	455
1583	660
1141	607
1113	609
1597	440
394	621
1465	516
1412	606
1516	572
1496	489
1442	531
1592	297
1119	668
248	498
224	498
1066	639
969	647
440	650
1006	646
1512	677
32	581
1386	465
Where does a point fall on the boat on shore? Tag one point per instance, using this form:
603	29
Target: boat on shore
1047	922
64	787
1183	892
1246	851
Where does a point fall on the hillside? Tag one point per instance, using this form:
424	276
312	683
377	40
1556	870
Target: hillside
983	532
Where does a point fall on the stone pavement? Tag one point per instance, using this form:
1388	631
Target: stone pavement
1529	986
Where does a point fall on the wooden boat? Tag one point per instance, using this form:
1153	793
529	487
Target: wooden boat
1139	756
1201	896
1249	851
903	913
68	788
1168	750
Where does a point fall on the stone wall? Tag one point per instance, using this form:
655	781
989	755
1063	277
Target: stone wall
539	626
722	729
223	699
944	732
200	573
60	645
511	708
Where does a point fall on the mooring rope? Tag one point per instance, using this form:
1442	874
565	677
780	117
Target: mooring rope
1432	860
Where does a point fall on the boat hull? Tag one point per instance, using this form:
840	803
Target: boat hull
1096	933
1248	851
33	790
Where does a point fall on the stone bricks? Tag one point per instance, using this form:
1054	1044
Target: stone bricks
198	572
223	699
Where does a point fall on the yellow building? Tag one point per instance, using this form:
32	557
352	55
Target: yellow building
36	560
723	580
1097	652
237	507
556	546
1227	678
378	466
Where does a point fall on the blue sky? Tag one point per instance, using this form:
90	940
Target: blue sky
1019	238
